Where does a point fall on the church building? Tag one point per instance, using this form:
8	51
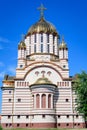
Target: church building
40	95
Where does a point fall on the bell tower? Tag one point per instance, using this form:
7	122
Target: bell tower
21	55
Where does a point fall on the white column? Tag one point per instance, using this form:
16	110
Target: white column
61	54
27	42
52	101
38	43
65	54
34	100
19	53
32	44
56	46
44	43
47	100
51	43
40	100
22	53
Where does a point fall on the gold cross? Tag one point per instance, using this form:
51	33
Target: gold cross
41	8
22	37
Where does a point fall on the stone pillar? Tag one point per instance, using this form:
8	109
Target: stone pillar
56	46
40	100
27	42
32	44
38	43
65	53
61	54
52	101
47	101
44	43
19	53
34	100
51	43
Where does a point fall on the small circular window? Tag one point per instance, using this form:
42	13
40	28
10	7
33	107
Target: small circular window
64	66
21	66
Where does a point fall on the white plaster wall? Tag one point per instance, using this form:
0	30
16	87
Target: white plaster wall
64	119
26	103
39	119
22	119
79	119
60	54
32	77
5	119
6	105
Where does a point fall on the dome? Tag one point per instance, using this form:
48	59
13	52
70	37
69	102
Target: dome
43	81
63	45
22	45
42	26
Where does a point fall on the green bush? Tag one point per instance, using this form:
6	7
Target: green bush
1	127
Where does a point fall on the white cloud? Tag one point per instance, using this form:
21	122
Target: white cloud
2	74
5	40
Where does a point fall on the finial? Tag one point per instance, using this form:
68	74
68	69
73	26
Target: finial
41	8
63	38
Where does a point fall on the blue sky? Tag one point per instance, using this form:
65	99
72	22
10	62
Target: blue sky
68	16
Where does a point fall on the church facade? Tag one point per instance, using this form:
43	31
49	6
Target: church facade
41	94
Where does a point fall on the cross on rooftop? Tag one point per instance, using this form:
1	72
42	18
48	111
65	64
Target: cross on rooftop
41	8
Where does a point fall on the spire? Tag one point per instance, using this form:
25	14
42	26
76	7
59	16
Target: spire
41	8
22	44
63	41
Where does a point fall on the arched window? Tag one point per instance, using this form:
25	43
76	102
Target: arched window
30	49
37	101
41	37
25	84
47	38
34	48
53	49
49	101
35	38
41	47
30	40
43	101
62	83
33	100
17	83
20	83
65	83
48	48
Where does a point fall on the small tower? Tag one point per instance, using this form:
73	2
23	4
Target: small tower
63	50
63	55
21	54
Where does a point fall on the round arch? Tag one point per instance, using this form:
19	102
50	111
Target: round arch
39	66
